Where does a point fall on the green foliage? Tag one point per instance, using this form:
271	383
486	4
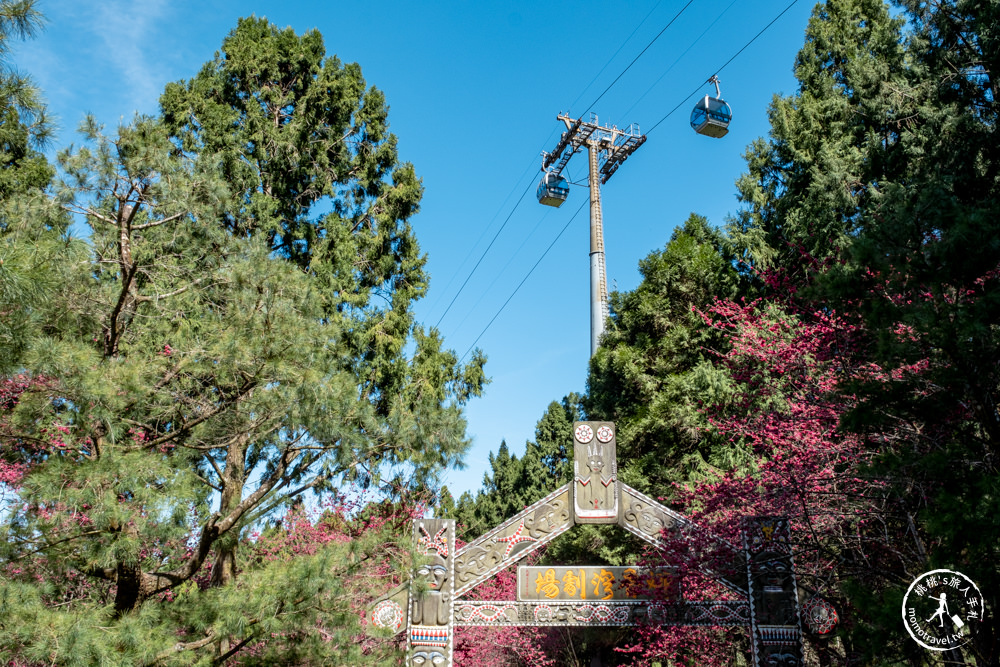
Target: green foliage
654	370
292	607
219	346
804	184
26	278
306	151
877	196
873	201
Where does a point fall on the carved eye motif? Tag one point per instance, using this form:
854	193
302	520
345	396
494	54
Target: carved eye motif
428	657
604	434
584	433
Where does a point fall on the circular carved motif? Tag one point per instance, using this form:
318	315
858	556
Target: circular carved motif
584	433
604	434
820	615
387	614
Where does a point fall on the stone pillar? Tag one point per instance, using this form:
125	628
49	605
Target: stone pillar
431	614
775	633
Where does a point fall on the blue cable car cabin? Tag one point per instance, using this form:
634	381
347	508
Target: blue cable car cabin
552	190
711	117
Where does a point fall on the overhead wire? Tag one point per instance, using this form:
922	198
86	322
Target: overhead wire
731	59
500	273
629	66
680	57
615	55
483	255
482	234
726	64
523	280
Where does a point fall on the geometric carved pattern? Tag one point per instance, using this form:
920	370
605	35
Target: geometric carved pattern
387	614
775	632
647	519
639	612
512	540
770	606
820	616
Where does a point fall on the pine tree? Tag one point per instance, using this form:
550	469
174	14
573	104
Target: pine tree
25	278
216	353
804	184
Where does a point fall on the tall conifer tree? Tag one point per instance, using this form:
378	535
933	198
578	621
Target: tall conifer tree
221	349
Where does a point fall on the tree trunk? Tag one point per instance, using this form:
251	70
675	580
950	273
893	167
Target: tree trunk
224	568
129	594
130	591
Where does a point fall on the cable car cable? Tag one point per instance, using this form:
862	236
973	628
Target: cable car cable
524	280
762	31
684	101
469	276
744	48
674	64
443	290
499	274
676	16
615	54
495	236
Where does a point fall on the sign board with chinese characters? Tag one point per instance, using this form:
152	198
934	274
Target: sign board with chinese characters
595	582
760	574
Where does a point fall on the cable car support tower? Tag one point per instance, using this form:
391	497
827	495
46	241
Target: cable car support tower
607	147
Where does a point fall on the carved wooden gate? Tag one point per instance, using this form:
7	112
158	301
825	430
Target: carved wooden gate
761	572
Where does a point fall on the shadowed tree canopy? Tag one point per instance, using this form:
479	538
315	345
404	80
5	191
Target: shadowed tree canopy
876	197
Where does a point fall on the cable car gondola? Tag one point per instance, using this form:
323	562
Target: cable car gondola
711	115
552	190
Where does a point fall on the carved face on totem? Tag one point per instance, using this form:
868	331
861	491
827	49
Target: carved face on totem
782	660
429	625
435	574
595	462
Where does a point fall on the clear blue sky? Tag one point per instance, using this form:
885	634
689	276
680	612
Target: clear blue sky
474	89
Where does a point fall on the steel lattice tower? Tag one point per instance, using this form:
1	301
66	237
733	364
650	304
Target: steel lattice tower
607	148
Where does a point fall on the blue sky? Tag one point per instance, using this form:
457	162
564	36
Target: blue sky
474	89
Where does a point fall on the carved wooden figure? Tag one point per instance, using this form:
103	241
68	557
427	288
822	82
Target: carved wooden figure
430	630
595	466
774	611
600	595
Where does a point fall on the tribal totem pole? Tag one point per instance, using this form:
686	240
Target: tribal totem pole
595	467
430	631
774	608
